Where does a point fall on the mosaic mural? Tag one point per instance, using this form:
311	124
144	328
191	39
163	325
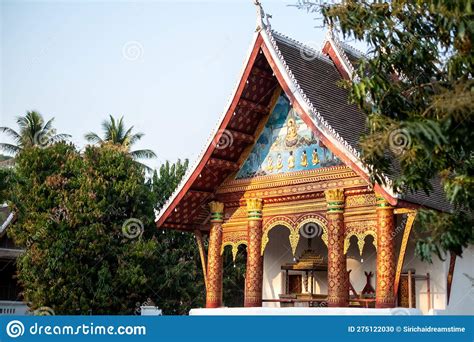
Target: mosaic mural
286	144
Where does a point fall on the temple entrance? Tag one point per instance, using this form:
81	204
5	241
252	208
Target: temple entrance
295	275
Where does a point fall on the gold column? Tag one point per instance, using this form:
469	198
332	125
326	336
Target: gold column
254	272
214	257
338	290
384	290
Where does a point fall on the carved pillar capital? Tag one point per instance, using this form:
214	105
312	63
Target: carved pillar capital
254	208
382	203
335	200
217	211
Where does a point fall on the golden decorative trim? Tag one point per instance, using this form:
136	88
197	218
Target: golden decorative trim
272	223
366	212
202	254
321	221
334	195
216	207
360	200
358	226
294	209
294	239
315	186
404	211
235	225
411	215
360	240
235	247
294	228
285	179
254	204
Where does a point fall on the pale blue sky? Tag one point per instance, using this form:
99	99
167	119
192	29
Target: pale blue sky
69	60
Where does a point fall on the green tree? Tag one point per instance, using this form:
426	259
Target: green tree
167	179
86	221
416	88
183	286
115	132
33	132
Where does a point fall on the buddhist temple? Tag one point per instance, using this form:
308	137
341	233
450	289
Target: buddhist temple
282	175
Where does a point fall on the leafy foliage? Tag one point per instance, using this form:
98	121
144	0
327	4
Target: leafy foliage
417	90
167	179
114	132
71	211
33	132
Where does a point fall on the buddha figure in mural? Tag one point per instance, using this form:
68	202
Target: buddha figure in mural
304	159
291	138
279	164
291	161
315	158
270	164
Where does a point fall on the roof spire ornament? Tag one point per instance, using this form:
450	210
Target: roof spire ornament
261	16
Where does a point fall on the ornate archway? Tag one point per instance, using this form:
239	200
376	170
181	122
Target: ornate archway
360	239
313	218
294	227
274	222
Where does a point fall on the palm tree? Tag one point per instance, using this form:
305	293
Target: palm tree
114	132
33	132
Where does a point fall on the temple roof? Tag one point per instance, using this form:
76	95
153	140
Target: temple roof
310	81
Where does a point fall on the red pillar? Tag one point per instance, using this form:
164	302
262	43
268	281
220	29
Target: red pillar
384	290
338	291
214	257
254	272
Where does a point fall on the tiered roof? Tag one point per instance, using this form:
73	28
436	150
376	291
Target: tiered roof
310	80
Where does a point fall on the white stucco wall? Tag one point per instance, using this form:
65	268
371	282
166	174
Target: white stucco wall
278	252
462	290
